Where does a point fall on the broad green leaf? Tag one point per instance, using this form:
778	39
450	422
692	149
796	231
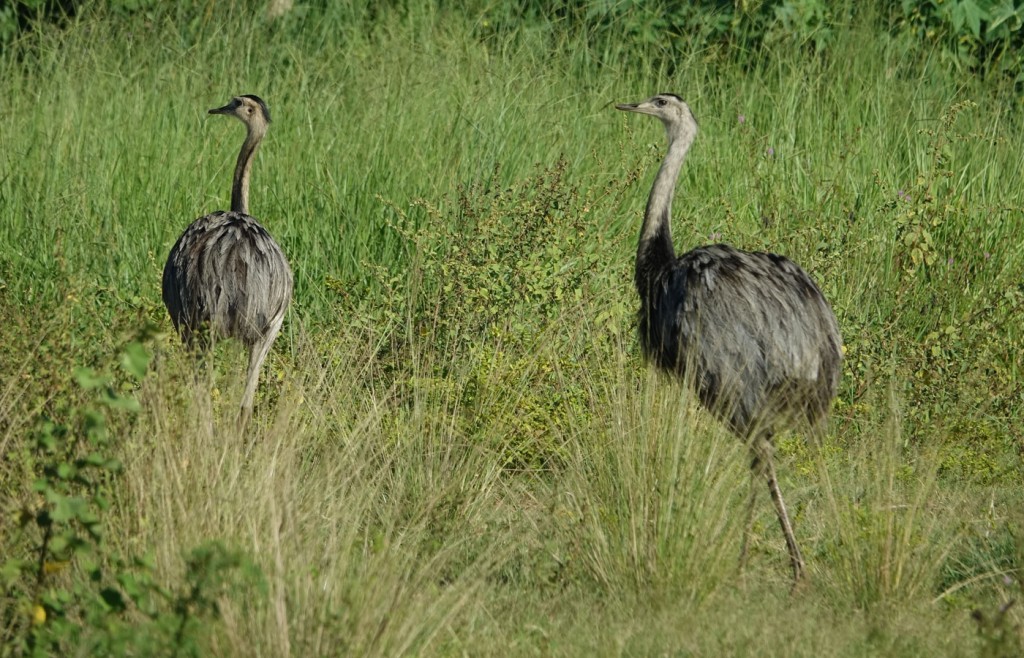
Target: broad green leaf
973	15
136	359
68	508
125	402
88	379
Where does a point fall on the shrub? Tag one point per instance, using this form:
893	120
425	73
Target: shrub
65	589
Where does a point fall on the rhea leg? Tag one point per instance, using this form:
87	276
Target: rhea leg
795	559
257	353
761	464
748	528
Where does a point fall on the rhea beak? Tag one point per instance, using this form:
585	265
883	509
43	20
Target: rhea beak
643	107
227	109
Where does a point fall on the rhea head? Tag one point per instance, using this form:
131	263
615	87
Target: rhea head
671	109
251	110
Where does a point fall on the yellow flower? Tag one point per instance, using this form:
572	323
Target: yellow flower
38	615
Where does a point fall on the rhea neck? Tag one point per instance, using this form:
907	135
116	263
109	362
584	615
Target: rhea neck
240	184
655	251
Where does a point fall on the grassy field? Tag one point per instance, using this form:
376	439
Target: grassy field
457	449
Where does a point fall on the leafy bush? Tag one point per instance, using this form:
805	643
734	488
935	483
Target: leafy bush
945	360
495	275
983	36
514	257
67	589
978	36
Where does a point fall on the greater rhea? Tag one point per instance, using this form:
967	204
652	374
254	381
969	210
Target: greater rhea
225	276
751	330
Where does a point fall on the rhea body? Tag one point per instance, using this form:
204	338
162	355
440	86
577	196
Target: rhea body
225	276
751	330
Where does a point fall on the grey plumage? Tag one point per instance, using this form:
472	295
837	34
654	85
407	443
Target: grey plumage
225	275
750	329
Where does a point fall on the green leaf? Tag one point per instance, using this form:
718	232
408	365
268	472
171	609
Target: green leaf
1004	20
48	441
94	459
93	525
973	15
88	379
68	508
124	402
956	15
58	544
130	584
11	570
92	568
136	360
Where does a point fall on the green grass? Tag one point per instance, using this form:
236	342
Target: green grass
457	448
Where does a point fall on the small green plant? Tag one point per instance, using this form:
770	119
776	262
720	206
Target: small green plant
75	472
932	199
496	274
976	35
69	588
514	256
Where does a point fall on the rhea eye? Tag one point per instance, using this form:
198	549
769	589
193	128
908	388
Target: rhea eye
660	102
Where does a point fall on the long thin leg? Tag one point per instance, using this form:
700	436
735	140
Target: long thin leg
795	559
755	470
257	354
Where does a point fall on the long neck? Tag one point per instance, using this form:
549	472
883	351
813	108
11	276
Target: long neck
655	251
240	184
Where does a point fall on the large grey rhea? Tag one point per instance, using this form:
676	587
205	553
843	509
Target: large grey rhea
225	275
751	330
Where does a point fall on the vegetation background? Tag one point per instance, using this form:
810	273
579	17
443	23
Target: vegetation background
457	448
